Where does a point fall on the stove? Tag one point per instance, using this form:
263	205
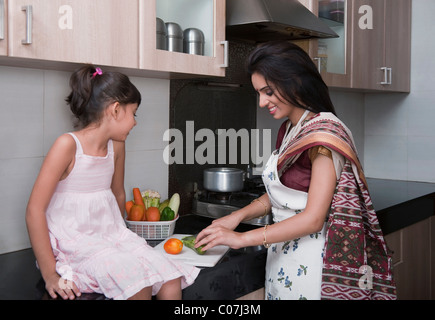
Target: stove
216	204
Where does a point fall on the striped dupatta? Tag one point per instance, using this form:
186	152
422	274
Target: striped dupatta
356	263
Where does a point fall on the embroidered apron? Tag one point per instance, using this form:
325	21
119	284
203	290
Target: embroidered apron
293	268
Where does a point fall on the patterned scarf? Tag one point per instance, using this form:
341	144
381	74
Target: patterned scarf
356	262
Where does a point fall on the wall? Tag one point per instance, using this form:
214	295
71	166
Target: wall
34	114
399	128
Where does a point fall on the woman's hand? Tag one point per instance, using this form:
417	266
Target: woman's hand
67	289
216	234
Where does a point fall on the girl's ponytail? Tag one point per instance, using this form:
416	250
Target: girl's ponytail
92	90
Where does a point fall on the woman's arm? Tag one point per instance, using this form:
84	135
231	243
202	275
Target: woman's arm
118	176
320	193
56	166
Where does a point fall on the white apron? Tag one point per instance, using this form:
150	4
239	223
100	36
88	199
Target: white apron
293	268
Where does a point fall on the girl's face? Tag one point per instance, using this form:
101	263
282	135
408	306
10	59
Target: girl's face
270	98
126	120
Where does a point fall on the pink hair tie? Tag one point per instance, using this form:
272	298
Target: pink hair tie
98	71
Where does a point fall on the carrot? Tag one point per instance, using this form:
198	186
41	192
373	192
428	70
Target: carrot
128	206
137	197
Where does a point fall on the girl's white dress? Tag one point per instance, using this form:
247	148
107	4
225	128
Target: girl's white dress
90	241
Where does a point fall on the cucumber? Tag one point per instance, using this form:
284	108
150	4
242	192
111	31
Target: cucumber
189	242
174	203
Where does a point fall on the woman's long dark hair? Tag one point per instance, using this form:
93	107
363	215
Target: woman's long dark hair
292	72
92	92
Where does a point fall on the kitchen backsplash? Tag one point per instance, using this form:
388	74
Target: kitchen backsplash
34	114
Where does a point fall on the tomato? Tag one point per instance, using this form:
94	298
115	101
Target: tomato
173	246
137	213
153	214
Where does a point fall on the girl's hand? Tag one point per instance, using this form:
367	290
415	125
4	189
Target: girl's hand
65	288
216	234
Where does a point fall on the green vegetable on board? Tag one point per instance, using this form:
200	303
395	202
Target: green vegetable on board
189	242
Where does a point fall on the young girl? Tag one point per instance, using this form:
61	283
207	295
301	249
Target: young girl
325	238
74	215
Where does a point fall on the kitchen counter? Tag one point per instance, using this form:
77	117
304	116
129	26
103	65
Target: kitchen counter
239	272
399	204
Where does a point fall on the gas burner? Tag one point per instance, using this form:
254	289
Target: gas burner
219	196
217	204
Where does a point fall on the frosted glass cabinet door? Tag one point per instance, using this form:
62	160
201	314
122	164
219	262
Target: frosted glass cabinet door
333	56
208	16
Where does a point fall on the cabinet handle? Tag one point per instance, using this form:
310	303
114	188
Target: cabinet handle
2	19
29	24
388	77
225	44
384	69
319	63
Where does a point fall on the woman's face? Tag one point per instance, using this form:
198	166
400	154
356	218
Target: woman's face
270	98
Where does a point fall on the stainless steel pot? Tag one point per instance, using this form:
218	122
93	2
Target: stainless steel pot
223	179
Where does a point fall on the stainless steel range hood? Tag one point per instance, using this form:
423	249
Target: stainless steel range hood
267	20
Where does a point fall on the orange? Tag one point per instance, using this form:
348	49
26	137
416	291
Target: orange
137	213
128	206
153	214
173	246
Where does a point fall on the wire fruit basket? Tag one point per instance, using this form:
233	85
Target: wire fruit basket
152	230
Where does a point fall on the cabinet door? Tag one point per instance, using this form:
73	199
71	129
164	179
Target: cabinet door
333	55
103	32
368	44
398	44
3	28
207	15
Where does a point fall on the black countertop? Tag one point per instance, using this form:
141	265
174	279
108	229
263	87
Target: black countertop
399	204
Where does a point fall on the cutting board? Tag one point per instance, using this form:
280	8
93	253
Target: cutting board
188	256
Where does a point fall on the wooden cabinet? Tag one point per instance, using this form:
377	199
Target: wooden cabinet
413	255
103	32
206	15
372	52
3	28
112	33
381	45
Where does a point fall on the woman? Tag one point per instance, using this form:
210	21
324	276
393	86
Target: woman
325	241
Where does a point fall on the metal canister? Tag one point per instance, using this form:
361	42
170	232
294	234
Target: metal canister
193	41
175	37
162	35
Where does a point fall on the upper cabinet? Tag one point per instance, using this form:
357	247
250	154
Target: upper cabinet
373	50
205	16
112	33
382	45
103	32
